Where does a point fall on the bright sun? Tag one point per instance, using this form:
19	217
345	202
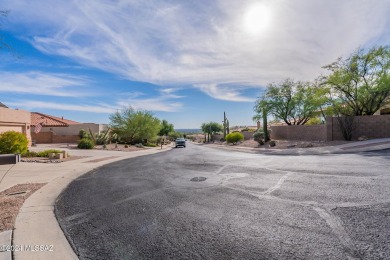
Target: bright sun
257	18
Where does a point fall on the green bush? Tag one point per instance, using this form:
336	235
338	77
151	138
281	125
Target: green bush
259	137
82	134
234	137
30	154
150	145
45	153
86	143
13	142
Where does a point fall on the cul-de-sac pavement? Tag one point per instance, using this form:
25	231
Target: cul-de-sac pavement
204	203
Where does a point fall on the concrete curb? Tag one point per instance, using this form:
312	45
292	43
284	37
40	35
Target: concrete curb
5	245
354	147
36	228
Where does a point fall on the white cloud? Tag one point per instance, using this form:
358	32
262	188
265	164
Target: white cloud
164	102
203	43
223	93
41	83
35	105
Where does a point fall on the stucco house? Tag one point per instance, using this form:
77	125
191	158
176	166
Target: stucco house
15	120
60	130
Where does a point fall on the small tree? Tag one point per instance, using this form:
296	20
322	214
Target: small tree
165	128
13	142
134	126
211	128
234	137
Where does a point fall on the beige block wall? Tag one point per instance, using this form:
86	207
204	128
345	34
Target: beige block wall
75	129
299	132
15	120
377	126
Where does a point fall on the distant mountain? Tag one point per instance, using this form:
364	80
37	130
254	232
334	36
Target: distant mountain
189	130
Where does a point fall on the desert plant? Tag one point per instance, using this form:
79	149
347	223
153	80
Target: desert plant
259	137
234	137
13	142
150	145
139	145
30	154
46	153
103	138
86	143
82	133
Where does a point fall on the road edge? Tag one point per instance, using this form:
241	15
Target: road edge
36	227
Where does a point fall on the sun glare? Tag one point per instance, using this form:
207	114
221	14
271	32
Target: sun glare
257	18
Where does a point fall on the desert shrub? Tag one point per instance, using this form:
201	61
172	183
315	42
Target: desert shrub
272	143
259	137
82	133
126	146
222	139
45	153
86	143
234	137
314	121
13	142
140	145
30	154
150	145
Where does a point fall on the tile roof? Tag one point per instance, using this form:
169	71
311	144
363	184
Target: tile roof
49	120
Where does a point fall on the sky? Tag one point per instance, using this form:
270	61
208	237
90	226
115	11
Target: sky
186	61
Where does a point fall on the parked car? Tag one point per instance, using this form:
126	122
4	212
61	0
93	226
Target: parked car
180	142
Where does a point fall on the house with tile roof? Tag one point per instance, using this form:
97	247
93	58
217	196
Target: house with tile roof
15	120
60	130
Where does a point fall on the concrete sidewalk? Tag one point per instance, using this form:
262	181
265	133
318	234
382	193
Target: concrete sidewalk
37	234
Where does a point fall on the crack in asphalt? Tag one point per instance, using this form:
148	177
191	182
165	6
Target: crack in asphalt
278	184
337	227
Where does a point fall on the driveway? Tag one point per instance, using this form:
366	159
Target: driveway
203	203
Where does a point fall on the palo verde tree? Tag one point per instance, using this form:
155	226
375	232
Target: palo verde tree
211	128
134	126
361	82
294	102
165	128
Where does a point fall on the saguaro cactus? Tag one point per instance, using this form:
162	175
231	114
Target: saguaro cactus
225	125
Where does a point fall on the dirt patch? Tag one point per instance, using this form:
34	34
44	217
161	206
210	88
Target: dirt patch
47	160
11	200
118	147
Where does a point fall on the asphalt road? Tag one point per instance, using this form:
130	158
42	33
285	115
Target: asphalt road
250	206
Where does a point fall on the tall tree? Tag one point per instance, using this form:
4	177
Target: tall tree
294	102
361	83
134	125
